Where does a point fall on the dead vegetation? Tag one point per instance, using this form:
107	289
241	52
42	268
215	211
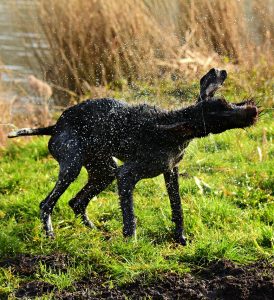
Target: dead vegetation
95	42
26	108
15	114
94	46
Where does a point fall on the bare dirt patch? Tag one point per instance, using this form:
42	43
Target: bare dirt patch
218	280
26	265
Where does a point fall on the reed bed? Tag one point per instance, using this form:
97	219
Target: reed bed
96	42
216	26
15	114
24	107
264	12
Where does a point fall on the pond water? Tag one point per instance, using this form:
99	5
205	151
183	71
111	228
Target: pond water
14	54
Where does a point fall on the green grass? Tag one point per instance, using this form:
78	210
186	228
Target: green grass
227	194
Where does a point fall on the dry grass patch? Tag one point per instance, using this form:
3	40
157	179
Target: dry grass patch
95	42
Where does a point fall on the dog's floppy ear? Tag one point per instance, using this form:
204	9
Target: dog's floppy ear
181	128
210	82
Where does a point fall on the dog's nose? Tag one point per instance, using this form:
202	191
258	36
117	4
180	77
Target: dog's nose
251	112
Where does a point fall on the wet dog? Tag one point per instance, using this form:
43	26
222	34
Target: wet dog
149	140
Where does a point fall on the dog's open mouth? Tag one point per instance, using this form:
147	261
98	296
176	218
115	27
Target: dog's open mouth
247	112
241	114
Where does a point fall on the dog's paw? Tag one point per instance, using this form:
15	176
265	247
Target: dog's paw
129	229
88	223
129	232
182	240
50	235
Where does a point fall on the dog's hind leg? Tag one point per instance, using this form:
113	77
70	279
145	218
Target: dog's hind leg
70	167
100	176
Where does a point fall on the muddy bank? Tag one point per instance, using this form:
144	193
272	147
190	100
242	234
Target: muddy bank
218	280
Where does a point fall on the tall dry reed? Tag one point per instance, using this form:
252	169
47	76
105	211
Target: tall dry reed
99	41
19	105
217	26
94	42
17	113
264	15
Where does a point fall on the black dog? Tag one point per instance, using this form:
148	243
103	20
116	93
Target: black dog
149	140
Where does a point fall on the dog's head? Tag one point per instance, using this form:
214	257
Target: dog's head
213	114
217	114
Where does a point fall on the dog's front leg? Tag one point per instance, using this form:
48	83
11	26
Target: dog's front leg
172	185
127	178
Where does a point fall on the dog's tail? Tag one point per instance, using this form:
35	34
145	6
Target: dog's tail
31	131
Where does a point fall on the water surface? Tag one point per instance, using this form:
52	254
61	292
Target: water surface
15	54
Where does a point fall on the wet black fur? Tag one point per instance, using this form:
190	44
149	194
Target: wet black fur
150	141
